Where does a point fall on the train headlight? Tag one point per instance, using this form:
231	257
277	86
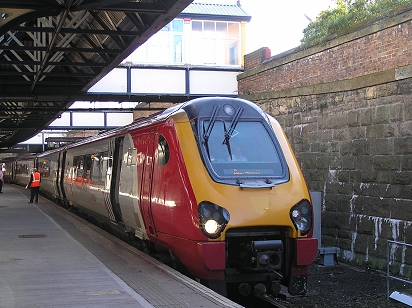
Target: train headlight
301	215
213	219
211	226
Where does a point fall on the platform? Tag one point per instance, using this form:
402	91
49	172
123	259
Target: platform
49	257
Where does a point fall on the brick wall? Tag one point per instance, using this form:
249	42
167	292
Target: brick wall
346	107
255	59
158	106
369	51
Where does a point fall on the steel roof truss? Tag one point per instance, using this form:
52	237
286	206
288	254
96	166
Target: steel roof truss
53	51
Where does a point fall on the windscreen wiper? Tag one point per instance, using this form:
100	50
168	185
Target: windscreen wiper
208	131
228	133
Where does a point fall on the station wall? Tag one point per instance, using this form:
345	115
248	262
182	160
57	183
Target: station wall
346	107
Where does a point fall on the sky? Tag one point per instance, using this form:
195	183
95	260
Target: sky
279	24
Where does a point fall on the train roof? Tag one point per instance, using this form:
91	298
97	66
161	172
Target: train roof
199	107
142	122
202	107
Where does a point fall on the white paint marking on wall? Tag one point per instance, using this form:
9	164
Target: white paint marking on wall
377	229
332	176
351	204
324	197
301	126
351	253
363	186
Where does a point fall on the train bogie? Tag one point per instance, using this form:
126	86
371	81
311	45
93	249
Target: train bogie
213	181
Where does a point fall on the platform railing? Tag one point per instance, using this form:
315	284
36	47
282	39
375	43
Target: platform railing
388	265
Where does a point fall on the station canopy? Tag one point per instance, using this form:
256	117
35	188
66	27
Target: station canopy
53	51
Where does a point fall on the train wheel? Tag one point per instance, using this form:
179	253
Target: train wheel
298	285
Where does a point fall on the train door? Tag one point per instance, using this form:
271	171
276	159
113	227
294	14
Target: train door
58	172
113	178
60	175
146	182
13	172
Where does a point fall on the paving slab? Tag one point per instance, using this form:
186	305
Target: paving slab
49	257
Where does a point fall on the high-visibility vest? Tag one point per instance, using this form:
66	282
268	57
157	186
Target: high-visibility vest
36	180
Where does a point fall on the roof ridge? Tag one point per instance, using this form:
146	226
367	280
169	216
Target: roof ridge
219	4
234	11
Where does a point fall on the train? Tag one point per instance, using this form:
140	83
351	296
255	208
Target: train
212	182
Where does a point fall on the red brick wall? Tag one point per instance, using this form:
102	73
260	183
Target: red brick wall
255	59
382	50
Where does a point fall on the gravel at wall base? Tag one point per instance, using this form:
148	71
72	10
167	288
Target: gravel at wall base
344	285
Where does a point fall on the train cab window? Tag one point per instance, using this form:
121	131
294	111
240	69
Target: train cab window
163	151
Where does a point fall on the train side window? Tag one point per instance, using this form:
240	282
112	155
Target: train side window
95	168
73	168
104	165
21	169
131	157
78	167
44	168
163	151
87	166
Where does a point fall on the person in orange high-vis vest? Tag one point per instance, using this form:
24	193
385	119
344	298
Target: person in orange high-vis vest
34	185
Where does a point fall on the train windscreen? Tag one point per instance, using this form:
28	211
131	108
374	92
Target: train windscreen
247	150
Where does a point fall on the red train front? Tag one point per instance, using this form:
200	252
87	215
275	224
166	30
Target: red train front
212	182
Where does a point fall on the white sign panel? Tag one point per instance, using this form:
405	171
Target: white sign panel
119	119
213	82
91	118
158	81
64	120
114	82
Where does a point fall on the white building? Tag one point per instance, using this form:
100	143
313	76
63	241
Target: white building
199	53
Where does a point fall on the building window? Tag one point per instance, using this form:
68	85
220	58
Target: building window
177	25
164	47
215	43
177	48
